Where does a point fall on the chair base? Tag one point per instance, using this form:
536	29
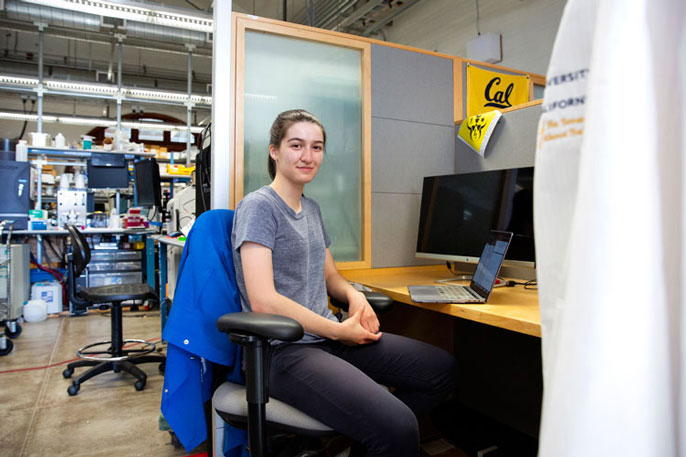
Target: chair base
97	367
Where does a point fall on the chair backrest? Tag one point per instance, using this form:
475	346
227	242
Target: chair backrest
81	252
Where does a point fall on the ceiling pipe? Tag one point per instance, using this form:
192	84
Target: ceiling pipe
162	33
31	12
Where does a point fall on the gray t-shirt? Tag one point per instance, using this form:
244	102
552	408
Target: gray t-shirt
298	243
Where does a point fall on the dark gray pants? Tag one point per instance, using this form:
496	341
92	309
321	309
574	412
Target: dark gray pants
339	386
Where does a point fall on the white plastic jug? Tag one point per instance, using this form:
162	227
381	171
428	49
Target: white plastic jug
39	139
35	310
51	293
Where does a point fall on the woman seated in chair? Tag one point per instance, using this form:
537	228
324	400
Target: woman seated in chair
284	266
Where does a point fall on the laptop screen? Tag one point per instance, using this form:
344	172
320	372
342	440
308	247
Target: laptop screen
489	264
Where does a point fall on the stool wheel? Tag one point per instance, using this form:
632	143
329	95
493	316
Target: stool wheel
12	329
67	373
140	385
8	346
73	389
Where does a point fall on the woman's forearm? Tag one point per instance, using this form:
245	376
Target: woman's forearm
311	322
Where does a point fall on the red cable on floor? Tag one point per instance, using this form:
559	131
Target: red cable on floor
18	370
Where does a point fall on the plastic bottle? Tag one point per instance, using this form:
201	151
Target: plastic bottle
59	141
114	221
79	180
21	151
118	140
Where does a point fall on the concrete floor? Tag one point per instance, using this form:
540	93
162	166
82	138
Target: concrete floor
108	417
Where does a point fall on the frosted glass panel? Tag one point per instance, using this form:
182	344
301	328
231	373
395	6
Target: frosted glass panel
286	73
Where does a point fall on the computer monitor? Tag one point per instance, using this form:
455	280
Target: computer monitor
107	171
148	192
458	211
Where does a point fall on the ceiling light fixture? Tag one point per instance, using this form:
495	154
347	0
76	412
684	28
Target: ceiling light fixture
25	117
18	81
106	89
79	87
151	126
86	121
98	122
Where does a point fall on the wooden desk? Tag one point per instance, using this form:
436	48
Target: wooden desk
497	346
511	308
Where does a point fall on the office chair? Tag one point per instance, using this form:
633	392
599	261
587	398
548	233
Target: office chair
197	347
249	406
115	357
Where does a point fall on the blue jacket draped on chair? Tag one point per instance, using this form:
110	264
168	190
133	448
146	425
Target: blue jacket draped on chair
206	289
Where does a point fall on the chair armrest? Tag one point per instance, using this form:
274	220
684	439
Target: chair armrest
380	302
261	325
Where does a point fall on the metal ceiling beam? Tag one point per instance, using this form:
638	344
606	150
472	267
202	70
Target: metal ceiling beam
386	19
358	13
335	13
330	10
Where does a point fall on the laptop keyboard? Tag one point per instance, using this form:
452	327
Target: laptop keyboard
454	293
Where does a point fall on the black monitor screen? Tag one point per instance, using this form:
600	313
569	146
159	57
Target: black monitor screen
458	212
148	190
107	171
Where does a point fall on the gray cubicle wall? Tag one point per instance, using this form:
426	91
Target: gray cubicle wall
412	137
512	144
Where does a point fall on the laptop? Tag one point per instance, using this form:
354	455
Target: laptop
482	282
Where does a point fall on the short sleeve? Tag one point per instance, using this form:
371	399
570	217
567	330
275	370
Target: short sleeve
254	221
327	240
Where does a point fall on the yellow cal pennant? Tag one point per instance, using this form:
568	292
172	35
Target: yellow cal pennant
475	131
488	90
